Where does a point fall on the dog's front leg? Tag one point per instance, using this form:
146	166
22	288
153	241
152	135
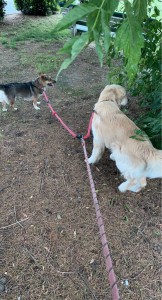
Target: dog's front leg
35	103
12	104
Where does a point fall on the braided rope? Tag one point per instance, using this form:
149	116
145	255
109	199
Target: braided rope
105	248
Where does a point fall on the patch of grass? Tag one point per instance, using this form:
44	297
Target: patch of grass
43	62
37	29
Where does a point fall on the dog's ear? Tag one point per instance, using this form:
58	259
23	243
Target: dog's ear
42	75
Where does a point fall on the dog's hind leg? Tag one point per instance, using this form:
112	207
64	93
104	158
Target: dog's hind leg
133	185
4	106
141	183
123	187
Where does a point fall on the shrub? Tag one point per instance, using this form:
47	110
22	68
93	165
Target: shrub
2	10
37	7
148	82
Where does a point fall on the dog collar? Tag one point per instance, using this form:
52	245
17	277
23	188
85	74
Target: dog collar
39	88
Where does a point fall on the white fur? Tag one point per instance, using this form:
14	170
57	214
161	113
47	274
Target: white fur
35	106
3	97
4	109
136	169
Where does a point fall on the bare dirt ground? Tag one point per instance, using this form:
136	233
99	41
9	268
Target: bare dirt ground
49	241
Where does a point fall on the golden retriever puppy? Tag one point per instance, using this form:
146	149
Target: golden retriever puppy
136	159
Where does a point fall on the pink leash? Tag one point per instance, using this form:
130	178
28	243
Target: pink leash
105	248
64	125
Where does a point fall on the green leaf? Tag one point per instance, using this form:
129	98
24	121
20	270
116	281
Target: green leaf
76	48
66	49
157	11
140	9
106	30
140	135
129	38
110	6
94	21
75	14
97	14
67	3
98	46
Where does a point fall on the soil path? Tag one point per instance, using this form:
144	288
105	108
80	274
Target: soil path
53	251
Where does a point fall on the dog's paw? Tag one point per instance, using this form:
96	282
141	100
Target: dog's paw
112	157
122	187
36	107
91	161
38	102
4	109
135	188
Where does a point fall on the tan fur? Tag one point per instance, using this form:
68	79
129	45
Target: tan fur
113	129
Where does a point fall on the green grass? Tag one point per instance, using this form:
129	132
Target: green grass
43	62
37	29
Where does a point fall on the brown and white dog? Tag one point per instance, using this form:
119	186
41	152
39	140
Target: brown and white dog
27	90
136	159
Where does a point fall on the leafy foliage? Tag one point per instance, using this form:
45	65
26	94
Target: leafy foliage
98	14
130	40
2	9
136	46
148	82
37	7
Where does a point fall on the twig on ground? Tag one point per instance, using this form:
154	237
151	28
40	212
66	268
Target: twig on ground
16	216
13	224
65	273
87	285
75	272
43	175
17	223
27	251
138	274
4	188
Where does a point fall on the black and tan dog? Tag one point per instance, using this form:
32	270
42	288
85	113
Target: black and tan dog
27	90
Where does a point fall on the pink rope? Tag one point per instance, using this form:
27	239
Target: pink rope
105	248
64	125
89	127
56	115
